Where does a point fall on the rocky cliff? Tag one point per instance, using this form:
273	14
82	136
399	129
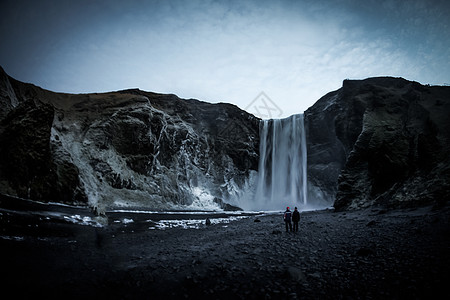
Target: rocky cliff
380	141
126	148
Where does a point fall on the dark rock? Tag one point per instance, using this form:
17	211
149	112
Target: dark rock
371	223
28	167
380	141
295	274
131	147
363	251
316	275
8	99
226	206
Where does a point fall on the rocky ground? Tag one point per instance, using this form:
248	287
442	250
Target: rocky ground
400	254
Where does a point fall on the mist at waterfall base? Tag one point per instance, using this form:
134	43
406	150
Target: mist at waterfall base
282	176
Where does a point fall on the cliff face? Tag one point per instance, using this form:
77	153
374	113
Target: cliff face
381	141
127	148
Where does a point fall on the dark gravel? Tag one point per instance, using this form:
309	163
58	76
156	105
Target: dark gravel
370	254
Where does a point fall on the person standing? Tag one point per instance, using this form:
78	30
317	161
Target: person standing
296	219
287	219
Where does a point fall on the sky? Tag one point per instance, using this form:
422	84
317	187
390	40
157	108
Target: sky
271	58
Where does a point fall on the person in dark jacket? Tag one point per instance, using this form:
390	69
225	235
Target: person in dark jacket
287	219
296	219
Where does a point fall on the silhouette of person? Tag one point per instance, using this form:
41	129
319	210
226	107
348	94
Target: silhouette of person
295	219
287	219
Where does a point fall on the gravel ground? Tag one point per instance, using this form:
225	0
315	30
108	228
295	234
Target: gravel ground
370	254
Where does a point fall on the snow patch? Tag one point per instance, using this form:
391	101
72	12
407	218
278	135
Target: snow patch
124	221
12	238
82	220
193	224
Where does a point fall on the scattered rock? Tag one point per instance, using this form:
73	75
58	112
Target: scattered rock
371	223
224	263
316	275
295	274
364	251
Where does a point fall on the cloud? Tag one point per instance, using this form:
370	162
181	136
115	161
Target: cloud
293	51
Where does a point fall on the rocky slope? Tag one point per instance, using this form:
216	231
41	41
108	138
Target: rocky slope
381	141
126	148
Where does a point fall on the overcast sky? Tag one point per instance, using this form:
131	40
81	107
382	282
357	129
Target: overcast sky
224	51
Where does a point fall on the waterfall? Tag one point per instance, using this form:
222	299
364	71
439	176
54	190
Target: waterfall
282	179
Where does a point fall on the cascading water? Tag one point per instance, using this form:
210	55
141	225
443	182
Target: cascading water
282	179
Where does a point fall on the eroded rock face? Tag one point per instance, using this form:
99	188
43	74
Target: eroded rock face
381	141
127	148
326	153
28	166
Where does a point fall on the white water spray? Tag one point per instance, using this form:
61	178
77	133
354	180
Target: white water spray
282	177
